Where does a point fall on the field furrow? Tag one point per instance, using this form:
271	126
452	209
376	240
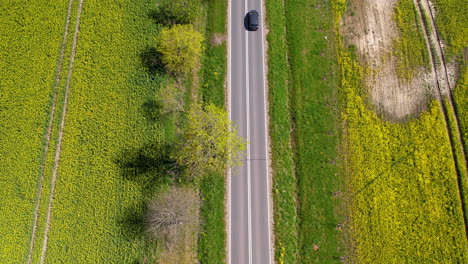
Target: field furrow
444	89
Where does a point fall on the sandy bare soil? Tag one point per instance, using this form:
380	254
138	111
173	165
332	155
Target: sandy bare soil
369	26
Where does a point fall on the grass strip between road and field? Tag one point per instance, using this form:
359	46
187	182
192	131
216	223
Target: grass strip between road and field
314	111
284	189
212	235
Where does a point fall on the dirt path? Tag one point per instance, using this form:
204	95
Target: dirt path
49	129
369	26
60	136
442	80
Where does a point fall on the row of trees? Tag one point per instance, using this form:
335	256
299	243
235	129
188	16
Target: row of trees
207	141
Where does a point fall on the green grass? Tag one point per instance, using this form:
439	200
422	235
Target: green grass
305	161
29	48
313	90
212	236
410	48
284	181
214	63
404	203
452	23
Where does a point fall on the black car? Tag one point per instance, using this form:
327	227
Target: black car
252	20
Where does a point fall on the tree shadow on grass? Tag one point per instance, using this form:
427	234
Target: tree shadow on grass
152	111
152	60
165	17
132	222
149	166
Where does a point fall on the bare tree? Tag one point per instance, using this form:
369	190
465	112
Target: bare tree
171	97
169	211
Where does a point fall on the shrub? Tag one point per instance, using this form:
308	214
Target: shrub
181	47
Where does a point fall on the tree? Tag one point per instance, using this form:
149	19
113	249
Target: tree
180	11
171	97
209	142
169	211
180	46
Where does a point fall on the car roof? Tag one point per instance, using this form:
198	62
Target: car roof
254	17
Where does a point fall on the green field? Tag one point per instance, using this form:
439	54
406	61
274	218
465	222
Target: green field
402	182
29	50
114	150
100	191
452	23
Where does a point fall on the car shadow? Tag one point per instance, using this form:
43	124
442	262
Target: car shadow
246	22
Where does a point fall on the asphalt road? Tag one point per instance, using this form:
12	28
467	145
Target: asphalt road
249	226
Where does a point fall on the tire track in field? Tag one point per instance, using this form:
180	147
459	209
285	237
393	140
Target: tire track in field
48	134
442	82
60	135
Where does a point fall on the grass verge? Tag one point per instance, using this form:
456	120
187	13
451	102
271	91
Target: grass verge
212	236
284	179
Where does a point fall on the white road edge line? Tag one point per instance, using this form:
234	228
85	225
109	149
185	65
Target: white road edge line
267	155
229	172
247	99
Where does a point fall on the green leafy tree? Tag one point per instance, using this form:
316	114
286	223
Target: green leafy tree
209	142
180	46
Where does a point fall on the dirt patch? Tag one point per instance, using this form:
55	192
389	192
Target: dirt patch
369	26
217	39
